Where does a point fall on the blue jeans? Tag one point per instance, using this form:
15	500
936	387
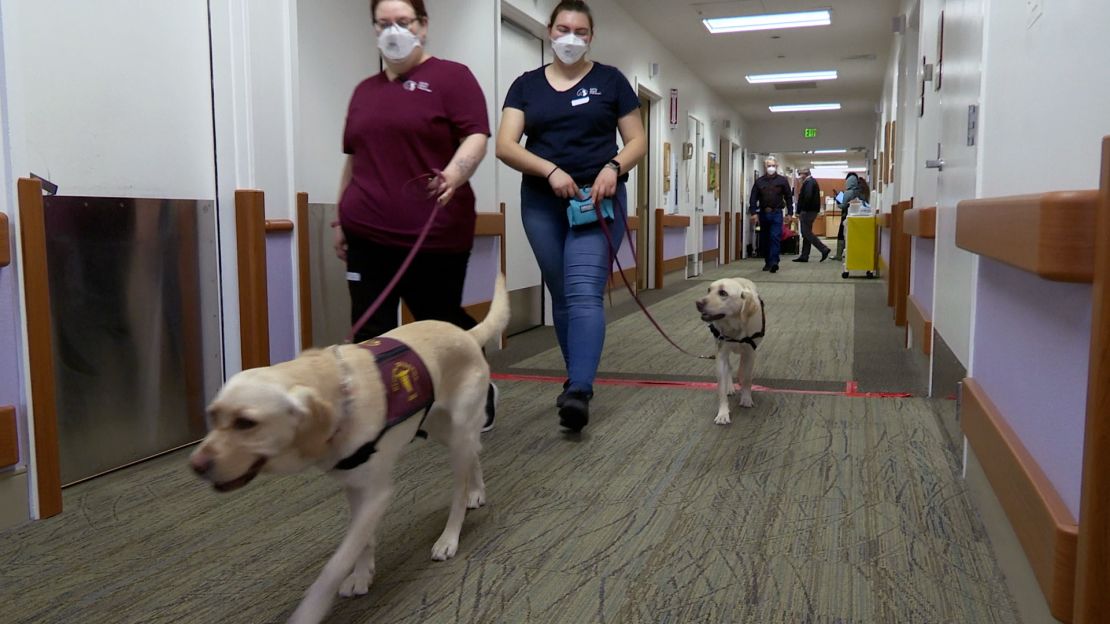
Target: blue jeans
576	265
770	236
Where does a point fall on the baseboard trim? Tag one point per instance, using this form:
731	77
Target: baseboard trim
1043	525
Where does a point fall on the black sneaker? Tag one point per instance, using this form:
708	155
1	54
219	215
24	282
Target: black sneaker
774	268
800	260
562	395
825	254
491	406
575	412
766	267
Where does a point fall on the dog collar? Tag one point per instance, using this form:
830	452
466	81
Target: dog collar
748	340
408	390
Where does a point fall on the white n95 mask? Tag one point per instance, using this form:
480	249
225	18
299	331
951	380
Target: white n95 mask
570	48
396	43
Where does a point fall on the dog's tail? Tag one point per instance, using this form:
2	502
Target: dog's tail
498	316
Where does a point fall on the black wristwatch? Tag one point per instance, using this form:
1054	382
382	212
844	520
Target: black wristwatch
614	165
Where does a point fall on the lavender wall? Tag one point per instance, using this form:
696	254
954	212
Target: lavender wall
710	237
280	297
481	271
921	287
10	363
624	253
674	243
1030	353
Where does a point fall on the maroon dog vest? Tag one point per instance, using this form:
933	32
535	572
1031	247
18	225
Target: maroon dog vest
408	390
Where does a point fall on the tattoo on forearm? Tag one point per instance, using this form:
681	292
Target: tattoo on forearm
466	165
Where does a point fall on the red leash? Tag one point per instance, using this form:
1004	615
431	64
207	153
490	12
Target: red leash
613	254
404	265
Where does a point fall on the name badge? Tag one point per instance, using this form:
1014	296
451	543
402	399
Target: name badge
580	101
354	277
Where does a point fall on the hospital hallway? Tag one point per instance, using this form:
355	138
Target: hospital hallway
837	498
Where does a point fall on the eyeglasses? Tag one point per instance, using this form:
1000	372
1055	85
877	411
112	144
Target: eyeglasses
578	32
403	22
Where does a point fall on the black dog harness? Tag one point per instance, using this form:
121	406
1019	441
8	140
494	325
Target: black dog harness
748	340
408	390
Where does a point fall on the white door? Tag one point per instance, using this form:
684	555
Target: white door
521	51
959	99
695	192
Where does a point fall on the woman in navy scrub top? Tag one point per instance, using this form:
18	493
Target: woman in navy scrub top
414	135
571	112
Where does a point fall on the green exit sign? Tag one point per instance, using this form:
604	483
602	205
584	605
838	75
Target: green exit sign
810	133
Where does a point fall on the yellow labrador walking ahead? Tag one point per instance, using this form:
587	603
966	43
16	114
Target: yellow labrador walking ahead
331	409
734	311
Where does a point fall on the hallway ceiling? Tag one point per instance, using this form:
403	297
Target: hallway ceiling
857	45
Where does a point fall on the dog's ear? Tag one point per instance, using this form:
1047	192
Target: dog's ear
751	305
315	421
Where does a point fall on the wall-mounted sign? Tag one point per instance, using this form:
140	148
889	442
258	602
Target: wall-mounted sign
810	133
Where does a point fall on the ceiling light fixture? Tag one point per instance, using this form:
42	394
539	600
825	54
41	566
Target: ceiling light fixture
829	151
799	108
805	76
718	25
829	163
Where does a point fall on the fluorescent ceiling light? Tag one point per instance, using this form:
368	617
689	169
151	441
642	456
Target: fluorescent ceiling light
857	169
792	77
829	151
799	108
829	163
717	25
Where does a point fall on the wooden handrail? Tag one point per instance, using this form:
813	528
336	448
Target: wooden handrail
673	221
633	222
36	297
884	219
254	316
1046	234
1092	600
920	222
490	224
278	225
5	241
711	220
9	437
304	270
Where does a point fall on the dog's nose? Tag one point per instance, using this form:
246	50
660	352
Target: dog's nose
200	464
700	303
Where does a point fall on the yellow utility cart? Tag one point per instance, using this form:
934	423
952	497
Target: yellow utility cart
860	242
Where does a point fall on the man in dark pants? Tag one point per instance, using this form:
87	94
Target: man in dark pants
770	193
809	205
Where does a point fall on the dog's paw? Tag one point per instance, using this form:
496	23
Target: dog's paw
357	584
445	548
731	390
722	418
475	499
746	399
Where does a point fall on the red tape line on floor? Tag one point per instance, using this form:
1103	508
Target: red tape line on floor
851	389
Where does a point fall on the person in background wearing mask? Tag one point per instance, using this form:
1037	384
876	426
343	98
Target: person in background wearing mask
809	205
770	193
414	135
571	111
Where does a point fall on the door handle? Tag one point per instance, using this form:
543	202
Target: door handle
937	164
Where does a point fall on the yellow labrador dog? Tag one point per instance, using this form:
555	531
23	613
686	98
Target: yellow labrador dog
734	311
344	411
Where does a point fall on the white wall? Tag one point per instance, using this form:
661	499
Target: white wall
336	51
1046	97
111	98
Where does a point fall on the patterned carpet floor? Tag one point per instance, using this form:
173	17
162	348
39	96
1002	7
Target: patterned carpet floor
808	508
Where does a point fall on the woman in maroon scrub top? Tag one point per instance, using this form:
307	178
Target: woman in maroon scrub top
421	117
